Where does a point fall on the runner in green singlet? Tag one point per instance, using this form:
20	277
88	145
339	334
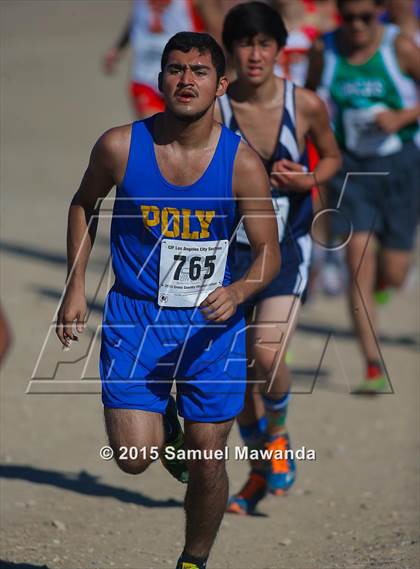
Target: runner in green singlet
368	71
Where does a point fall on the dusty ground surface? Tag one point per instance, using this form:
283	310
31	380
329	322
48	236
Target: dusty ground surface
62	507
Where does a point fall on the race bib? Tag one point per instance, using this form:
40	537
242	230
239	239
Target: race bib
281	207
189	271
364	137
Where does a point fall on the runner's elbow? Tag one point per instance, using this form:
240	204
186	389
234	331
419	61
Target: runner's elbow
79	200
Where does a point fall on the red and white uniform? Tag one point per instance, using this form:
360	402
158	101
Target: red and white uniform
153	23
293	62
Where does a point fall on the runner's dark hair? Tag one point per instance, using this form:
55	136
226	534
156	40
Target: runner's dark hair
245	21
186	41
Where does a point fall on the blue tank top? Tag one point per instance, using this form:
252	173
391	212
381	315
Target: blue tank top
149	209
300	204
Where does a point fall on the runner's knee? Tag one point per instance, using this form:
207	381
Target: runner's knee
206	464
394	267
207	472
132	466
267	357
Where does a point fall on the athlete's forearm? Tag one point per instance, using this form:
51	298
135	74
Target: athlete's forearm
262	271
97	181
408	116
326	168
124	38
80	238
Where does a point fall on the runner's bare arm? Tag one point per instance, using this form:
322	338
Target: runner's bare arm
252	190
312	112
100	176
113	54
106	168
322	136
408	55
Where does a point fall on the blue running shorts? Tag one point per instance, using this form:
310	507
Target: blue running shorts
145	348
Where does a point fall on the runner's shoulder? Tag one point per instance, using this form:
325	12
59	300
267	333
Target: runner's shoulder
247	158
114	139
405	46
113	145
247	169
404	43
308	103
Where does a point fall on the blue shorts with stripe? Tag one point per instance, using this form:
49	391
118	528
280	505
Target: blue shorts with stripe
145	348
292	279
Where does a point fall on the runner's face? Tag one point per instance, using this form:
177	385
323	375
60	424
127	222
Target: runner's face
360	20
255	58
189	84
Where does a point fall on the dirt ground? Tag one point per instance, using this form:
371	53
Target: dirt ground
62	507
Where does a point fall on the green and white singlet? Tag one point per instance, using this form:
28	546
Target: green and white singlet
355	94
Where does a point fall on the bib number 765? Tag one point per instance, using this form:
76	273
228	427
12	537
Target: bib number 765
193	268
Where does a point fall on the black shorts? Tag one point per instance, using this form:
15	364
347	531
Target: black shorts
381	195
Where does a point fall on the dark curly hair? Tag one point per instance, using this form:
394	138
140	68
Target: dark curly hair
186	41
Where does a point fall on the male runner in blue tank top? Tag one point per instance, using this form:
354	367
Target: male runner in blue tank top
275	118
173	310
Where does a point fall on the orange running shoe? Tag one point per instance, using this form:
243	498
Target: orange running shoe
282	472
253	491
